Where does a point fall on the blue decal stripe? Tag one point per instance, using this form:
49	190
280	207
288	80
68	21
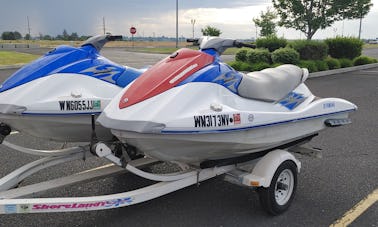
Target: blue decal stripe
251	127
61	114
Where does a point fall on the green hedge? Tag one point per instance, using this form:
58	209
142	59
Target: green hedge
271	43
241	55
285	56
258	55
246	67
321	65
363	60
344	47
260	66
240	66
310	50
333	63
345	62
308	64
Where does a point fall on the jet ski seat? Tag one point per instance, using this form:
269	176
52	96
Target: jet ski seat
272	84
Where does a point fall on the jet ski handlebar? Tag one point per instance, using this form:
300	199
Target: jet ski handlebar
99	41
240	45
194	41
218	44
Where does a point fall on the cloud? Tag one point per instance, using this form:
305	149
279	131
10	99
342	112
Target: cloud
233	18
233	22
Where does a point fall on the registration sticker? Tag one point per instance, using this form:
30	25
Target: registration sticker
216	120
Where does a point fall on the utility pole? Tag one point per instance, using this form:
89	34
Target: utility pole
193	22
176	23
103	25
359	32
27	17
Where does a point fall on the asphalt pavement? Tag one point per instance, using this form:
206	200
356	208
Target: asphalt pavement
327	187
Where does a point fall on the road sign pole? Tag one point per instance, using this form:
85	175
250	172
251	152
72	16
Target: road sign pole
132	31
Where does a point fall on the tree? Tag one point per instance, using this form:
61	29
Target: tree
266	22
27	37
309	16
17	35
11	35
74	36
47	37
65	35
7	36
210	31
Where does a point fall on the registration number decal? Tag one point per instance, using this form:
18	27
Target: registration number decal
206	121
70	105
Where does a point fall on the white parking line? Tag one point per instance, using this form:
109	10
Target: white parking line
357	210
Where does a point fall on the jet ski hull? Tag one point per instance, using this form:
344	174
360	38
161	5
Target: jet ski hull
195	148
208	125
69	128
58	107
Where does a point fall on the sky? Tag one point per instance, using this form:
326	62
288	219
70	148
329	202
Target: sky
157	18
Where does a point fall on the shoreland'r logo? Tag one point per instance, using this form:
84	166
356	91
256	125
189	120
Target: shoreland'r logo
69	105
205	121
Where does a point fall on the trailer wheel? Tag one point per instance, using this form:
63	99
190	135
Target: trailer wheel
277	198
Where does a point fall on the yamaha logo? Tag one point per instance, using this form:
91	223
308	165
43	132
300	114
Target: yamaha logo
125	100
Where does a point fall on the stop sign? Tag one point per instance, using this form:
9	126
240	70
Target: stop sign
133	30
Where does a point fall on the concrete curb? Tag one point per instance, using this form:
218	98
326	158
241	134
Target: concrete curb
343	70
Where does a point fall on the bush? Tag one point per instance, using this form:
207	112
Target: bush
260	66
363	60
345	62
308	64
276	65
310	50
344	47
285	56
258	55
333	63
241	66
321	65
241	55
271	43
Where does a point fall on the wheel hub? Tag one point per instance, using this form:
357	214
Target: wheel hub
284	187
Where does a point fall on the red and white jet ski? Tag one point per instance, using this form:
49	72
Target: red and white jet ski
191	107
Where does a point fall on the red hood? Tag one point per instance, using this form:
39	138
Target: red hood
164	75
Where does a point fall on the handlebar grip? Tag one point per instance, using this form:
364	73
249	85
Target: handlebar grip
114	37
253	46
192	40
240	44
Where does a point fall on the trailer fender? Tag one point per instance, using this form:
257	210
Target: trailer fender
263	172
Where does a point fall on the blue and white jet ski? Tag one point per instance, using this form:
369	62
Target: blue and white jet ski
54	97
193	108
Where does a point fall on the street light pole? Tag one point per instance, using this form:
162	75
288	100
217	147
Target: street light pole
28	27
193	21
359	32
176	23
103	25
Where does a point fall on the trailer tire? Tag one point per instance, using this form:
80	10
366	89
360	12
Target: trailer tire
277	198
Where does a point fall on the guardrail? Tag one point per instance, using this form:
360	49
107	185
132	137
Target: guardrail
18	45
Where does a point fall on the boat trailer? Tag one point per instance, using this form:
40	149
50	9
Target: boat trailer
274	176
